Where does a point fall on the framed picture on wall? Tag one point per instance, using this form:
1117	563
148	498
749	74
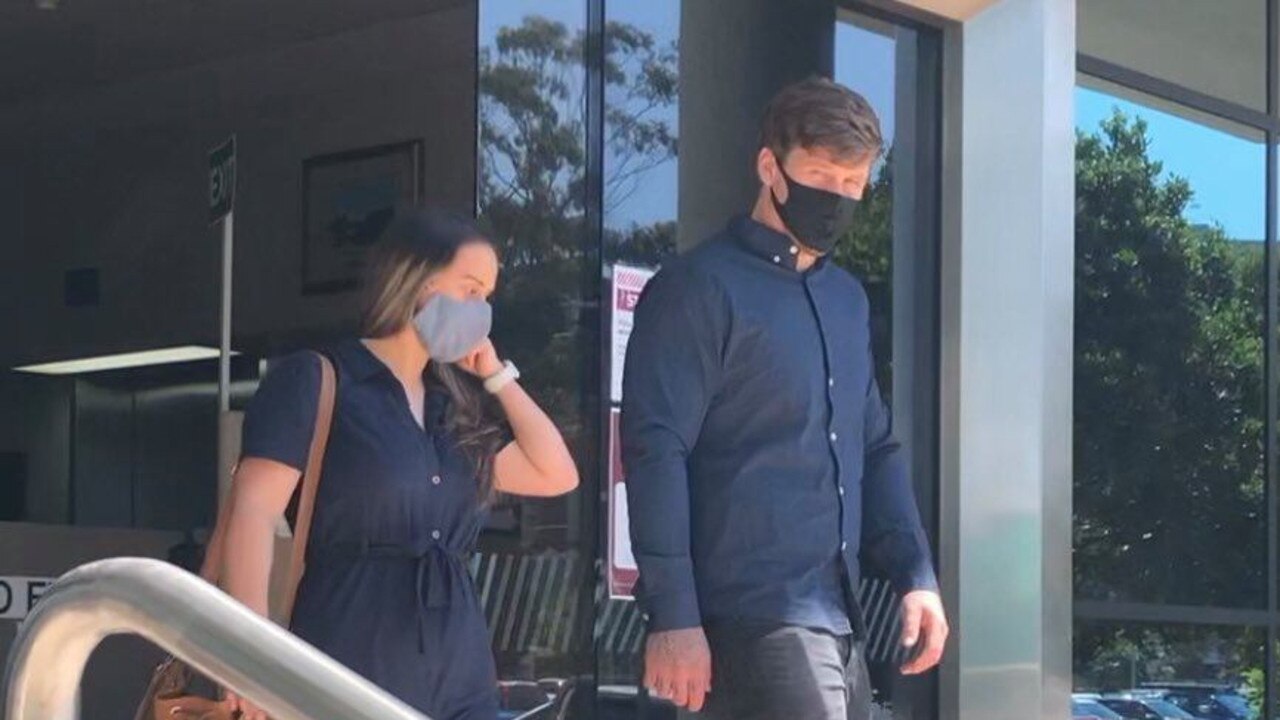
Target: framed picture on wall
348	199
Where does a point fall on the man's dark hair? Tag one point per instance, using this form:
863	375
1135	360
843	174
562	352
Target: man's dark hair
819	113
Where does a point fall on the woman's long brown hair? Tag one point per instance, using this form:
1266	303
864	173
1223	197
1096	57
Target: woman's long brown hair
419	243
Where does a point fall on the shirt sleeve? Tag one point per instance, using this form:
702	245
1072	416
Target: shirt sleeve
281	418
893	537
672	371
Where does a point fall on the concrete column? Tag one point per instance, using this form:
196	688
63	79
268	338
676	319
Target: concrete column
734	55
1007	304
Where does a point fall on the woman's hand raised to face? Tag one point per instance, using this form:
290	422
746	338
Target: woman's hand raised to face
483	361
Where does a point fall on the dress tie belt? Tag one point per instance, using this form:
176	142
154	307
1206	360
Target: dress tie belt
434	567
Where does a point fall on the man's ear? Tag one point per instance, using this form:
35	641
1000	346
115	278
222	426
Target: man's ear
769	170
766	166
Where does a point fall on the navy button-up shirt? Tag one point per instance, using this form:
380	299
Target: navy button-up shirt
759	456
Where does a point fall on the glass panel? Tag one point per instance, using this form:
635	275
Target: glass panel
865	61
641	189
534	569
673	130
1215	672
1217	48
1169	472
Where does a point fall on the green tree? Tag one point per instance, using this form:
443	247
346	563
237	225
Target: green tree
532	195
1168	387
1168	433
866	250
532	185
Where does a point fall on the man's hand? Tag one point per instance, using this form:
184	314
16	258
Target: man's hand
922	614
677	667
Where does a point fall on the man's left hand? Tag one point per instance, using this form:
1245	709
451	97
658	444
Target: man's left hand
923	622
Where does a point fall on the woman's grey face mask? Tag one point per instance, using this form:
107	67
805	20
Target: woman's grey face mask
451	328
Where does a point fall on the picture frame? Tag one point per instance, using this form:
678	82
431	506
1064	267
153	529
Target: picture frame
348	200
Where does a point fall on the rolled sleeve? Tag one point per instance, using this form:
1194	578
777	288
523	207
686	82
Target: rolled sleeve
673	366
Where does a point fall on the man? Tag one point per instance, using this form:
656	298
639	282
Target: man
759	456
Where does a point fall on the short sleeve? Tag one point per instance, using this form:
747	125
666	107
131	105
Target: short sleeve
280	419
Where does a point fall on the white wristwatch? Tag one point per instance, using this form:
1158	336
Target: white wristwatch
504	377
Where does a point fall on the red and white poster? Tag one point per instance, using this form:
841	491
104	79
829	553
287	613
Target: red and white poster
622	564
628	282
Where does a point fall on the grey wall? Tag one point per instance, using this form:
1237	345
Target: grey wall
35	420
113	176
105	166
1216	47
145	456
103	448
1007	304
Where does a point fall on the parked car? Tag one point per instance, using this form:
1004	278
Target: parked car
1090	708
1144	706
1208	701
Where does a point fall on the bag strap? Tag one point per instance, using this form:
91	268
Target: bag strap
211	568
310	483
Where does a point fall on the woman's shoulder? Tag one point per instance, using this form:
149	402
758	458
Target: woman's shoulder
298	370
279	421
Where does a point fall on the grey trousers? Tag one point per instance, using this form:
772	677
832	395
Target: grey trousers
772	672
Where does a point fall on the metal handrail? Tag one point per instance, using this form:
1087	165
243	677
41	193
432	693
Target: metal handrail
196	622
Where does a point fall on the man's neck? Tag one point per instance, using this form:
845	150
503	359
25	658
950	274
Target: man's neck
766	214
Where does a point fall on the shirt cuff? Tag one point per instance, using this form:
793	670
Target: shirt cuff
667	595
918	577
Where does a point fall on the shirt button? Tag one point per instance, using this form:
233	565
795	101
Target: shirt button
831	382
777	259
435	479
435	534
844	546
841	491
794	250
834	437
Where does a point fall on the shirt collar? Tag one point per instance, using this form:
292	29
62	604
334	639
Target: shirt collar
358	361
360	364
766	243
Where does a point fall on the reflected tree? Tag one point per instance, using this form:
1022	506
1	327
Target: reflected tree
1168	387
532	185
1168	457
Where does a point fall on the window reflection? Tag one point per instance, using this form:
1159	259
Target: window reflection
1170	297
643	96
1210	672
531	571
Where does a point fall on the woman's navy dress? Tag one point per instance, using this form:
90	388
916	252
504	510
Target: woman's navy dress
386	589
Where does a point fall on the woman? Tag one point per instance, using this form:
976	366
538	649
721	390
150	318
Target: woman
418	447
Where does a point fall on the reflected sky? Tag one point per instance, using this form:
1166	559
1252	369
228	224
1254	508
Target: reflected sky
1226	171
863	61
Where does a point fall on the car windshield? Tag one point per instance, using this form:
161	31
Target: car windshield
1236	704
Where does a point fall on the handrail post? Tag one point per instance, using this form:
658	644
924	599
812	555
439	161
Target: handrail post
194	621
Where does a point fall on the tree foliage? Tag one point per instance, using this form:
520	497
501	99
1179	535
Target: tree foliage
1168	407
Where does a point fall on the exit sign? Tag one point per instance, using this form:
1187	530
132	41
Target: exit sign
222	179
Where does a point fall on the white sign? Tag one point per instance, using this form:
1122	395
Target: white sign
628	282
623	559
18	594
623	572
